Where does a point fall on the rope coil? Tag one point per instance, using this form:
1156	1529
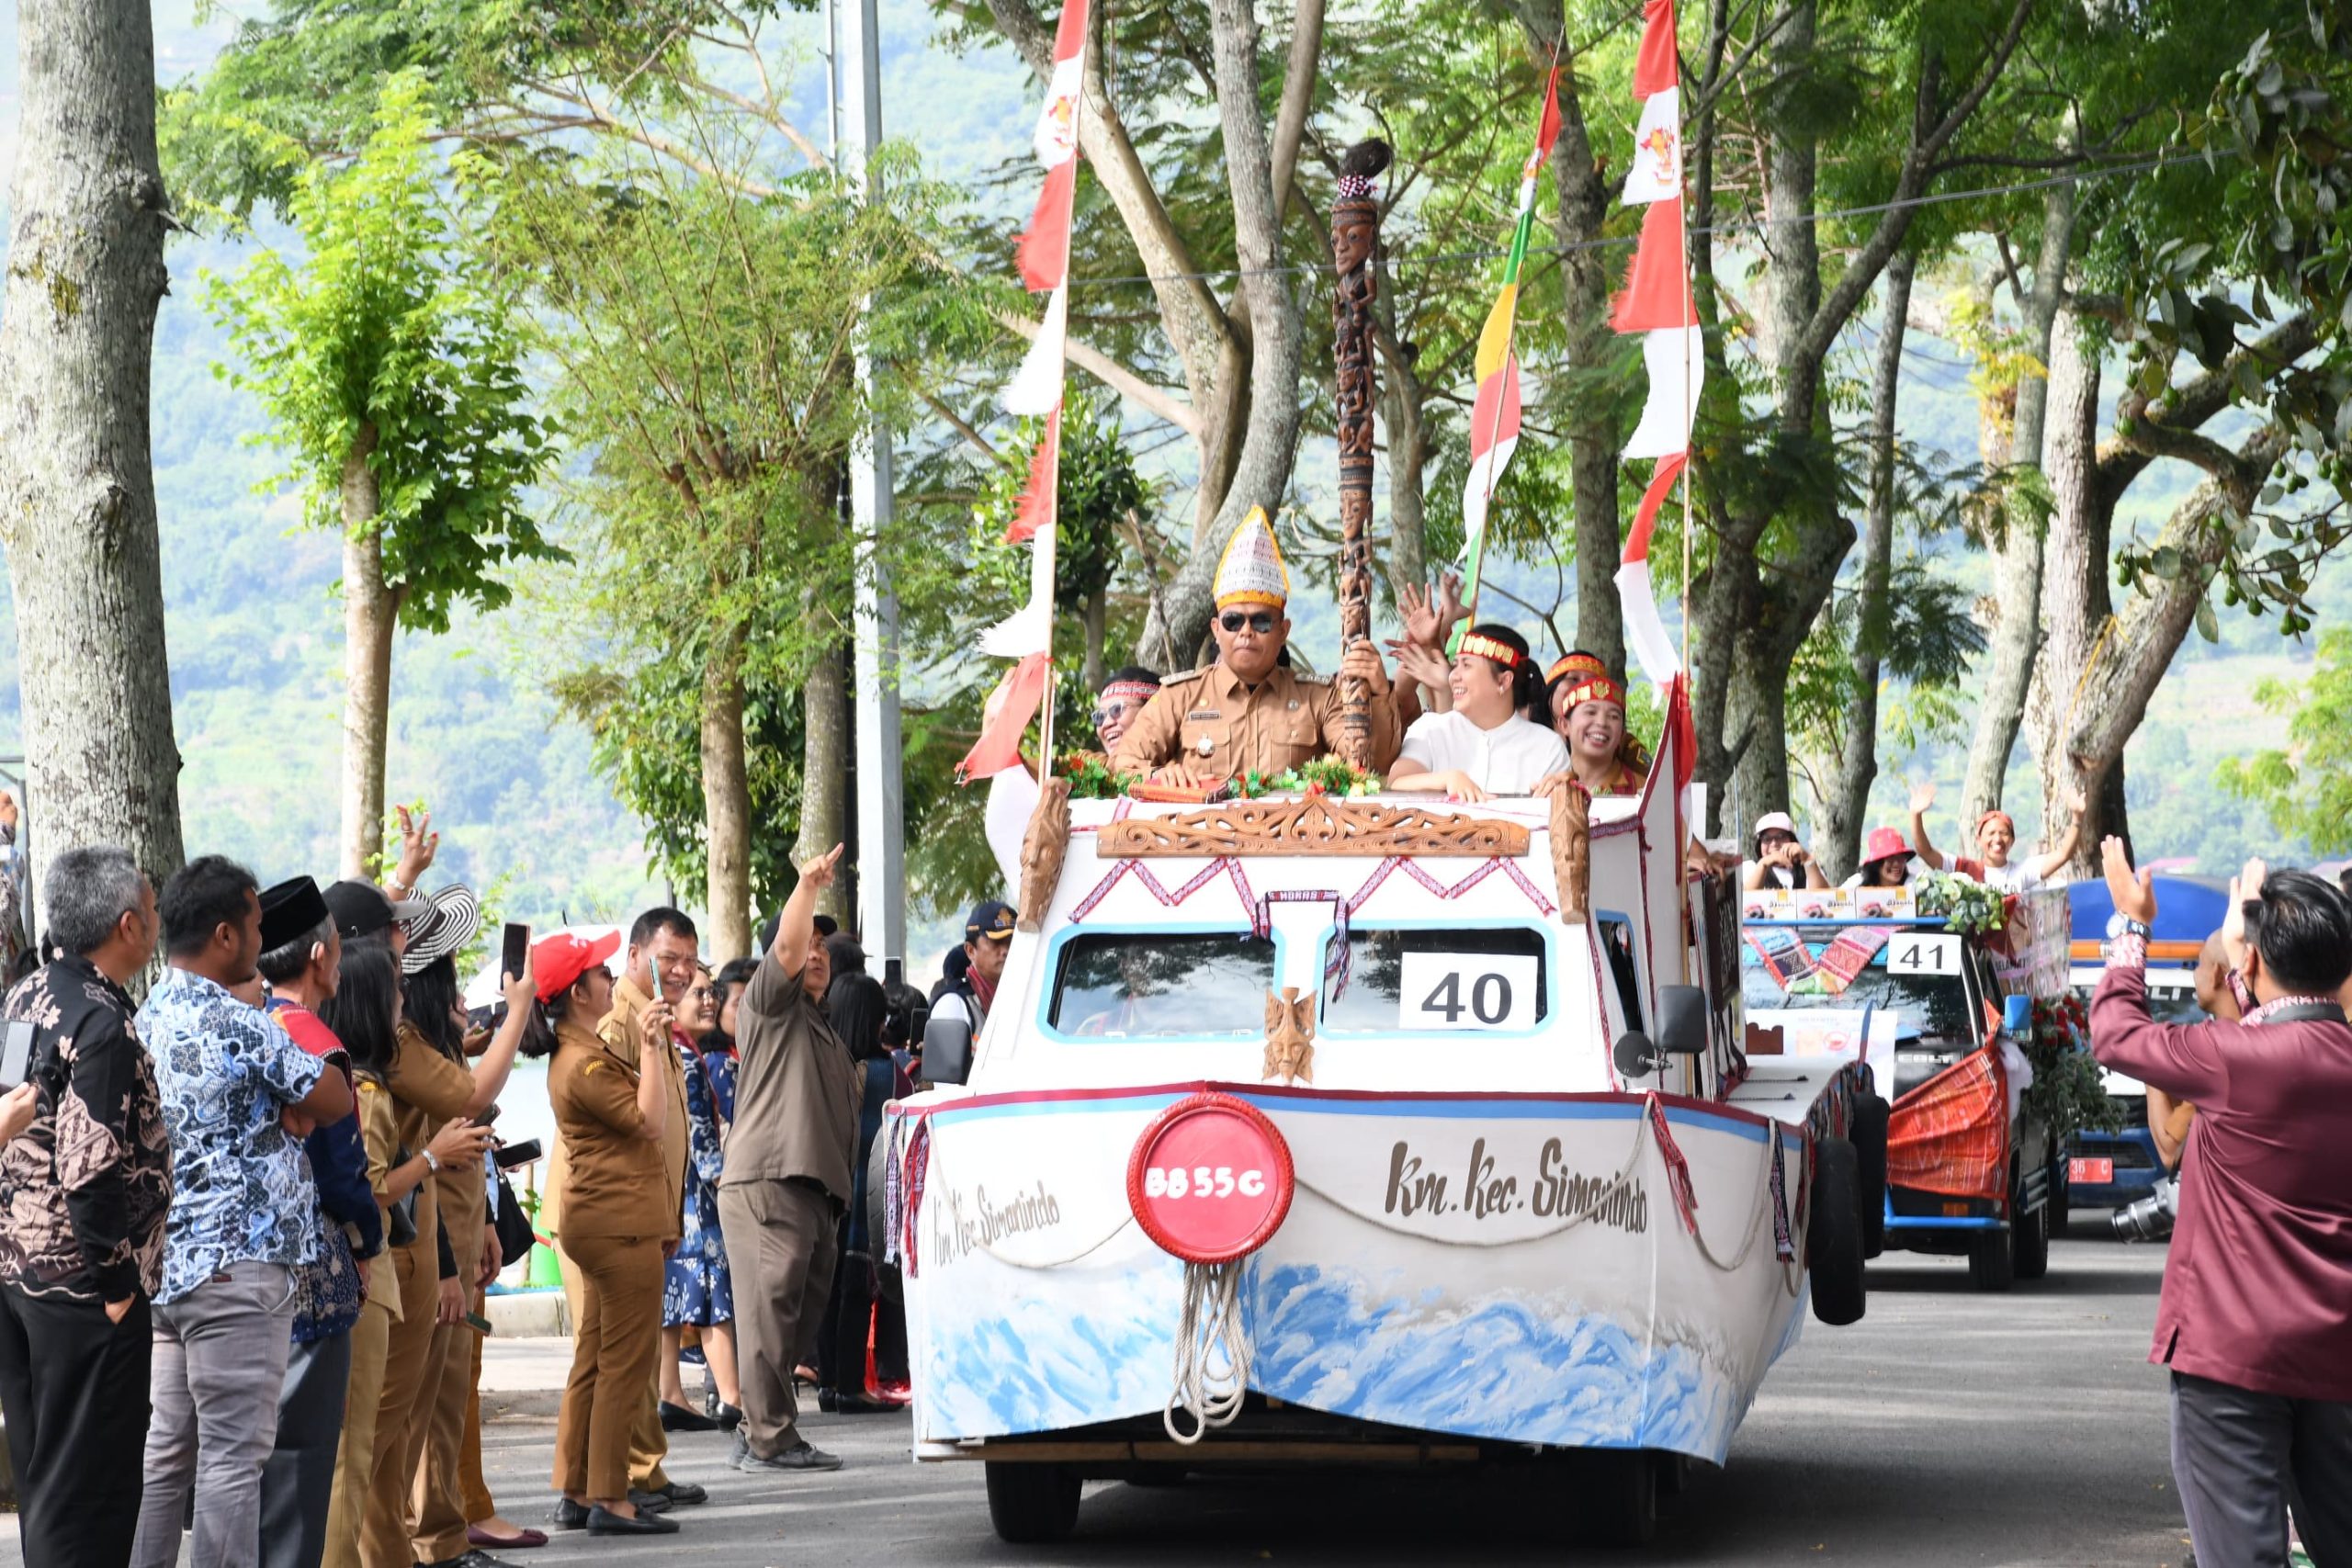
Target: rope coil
1210	1332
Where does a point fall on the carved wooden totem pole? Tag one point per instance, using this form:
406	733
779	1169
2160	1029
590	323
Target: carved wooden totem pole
1355	254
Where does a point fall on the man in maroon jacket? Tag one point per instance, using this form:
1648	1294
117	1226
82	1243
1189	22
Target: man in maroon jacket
2256	1320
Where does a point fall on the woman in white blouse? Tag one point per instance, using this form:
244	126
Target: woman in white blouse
1484	746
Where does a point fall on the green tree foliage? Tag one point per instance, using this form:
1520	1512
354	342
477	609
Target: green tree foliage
392	323
2305	787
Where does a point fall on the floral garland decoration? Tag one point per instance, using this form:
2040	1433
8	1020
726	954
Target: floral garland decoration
1967	906
2068	1090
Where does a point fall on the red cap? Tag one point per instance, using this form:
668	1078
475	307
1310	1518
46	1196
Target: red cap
563	958
1885	843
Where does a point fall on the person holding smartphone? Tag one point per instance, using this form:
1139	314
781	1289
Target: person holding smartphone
611	1110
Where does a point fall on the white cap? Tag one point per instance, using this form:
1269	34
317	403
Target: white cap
1772	819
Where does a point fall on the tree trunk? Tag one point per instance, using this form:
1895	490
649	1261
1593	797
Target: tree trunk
2017	567
1587	272
1838	840
371	616
77	492
1261	467
726	805
2074	602
824	772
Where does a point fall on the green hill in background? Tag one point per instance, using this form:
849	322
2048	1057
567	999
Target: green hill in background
255	629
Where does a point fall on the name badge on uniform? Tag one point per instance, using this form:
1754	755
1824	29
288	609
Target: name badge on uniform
1203	715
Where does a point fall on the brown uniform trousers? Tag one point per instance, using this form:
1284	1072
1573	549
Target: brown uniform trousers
355	1457
440	1533
617	1214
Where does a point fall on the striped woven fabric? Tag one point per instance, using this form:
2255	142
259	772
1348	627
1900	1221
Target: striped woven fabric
1951	1133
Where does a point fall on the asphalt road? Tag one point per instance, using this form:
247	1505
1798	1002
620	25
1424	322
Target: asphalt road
1946	1429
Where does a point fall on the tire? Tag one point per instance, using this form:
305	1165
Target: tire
1868	1129
2029	1237
1032	1503
1834	1243
1993	1259
1614	1499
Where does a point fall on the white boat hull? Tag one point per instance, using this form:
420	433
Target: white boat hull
1508	1267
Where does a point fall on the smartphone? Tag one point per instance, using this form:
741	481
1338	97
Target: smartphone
487	1116
15	1057
515	950
515	1155
893	973
477	1323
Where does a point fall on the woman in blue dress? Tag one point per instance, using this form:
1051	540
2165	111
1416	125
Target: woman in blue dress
698	1292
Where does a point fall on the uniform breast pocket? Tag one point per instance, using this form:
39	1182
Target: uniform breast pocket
1209	741
1299	736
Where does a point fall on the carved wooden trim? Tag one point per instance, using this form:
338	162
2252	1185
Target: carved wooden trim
1310	825
1290	1037
1042	847
1572	850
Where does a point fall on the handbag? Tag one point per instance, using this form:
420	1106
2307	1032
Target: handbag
399	1218
515	1236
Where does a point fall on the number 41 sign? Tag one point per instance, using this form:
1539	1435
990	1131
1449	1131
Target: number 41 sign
1466	991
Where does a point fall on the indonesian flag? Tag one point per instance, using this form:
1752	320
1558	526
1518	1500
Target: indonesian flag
999	746
1657	172
1495	413
1036	387
1645	634
1036	508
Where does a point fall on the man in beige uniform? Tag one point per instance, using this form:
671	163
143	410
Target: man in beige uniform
661	952
1247	712
786	1178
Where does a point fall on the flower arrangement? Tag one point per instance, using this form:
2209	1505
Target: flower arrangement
2068	1091
1324	775
1967	906
1091	777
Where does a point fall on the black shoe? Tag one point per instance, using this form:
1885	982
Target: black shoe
729	1417
602	1521
710	1400
473	1557
828	1401
684	1493
800	1457
678	1418
568	1514
648	1502
856	1404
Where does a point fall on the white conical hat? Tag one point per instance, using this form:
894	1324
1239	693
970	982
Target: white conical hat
1252	571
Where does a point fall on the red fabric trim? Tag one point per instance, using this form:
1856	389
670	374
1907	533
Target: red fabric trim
1044	250
1635	1101
1036	508
1069	34
999	746
1654	68
1637	543
1657	290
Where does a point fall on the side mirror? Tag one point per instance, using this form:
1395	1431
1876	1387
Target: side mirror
1635	1057
947	1049
1682	1021
2017	1015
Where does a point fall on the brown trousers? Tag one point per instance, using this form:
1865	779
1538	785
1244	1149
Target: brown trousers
614	1343
472	1484
649	1445
362	1397
440	1508
782	1249
400	1435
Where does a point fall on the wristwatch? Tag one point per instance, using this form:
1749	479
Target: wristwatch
2120	924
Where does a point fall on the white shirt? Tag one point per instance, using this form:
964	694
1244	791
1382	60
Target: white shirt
2018	877
1506	760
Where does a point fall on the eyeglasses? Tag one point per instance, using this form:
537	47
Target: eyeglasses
1107	712
1258	620
701	993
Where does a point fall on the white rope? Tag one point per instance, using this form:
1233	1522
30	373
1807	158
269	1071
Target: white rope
1210	1331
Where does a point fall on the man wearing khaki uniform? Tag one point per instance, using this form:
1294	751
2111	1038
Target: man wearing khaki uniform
787	1176
661	955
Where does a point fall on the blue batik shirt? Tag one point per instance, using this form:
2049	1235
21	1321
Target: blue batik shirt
240	1185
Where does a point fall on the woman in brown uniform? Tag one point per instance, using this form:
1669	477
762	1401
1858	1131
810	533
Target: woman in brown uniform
609	1111
430	1090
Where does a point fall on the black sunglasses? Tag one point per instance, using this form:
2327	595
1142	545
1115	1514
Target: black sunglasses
1258	620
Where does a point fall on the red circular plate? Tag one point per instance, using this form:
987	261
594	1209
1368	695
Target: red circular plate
1210	1180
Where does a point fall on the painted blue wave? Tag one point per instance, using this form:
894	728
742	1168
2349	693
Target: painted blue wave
1504	1367
1508	1368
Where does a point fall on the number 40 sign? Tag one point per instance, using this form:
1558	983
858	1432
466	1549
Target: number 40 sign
1466	991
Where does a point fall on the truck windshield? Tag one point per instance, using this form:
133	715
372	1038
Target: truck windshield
1190	986
1446	978
1806	968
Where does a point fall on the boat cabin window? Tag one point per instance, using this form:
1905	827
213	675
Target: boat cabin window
1154	985
1469	978
1916	973
1617	948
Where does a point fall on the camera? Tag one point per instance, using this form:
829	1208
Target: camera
2150	1218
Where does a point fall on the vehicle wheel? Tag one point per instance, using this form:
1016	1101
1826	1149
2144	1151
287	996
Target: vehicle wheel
1029	1503
1614	1500
1834	1242
1870	1154
2030	1238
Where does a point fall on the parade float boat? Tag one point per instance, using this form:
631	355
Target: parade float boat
1937	1004
1362	1131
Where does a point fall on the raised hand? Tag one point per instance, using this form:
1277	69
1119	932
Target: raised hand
1419	615
2134	898
1419	662
819	872
1450	607
1922	797
419	844
2245	887
2076	801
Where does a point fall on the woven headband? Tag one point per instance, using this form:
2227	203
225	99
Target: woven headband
1599	689
1495	649
1143	691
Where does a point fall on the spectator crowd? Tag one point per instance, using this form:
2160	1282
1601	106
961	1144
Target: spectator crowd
247	1224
